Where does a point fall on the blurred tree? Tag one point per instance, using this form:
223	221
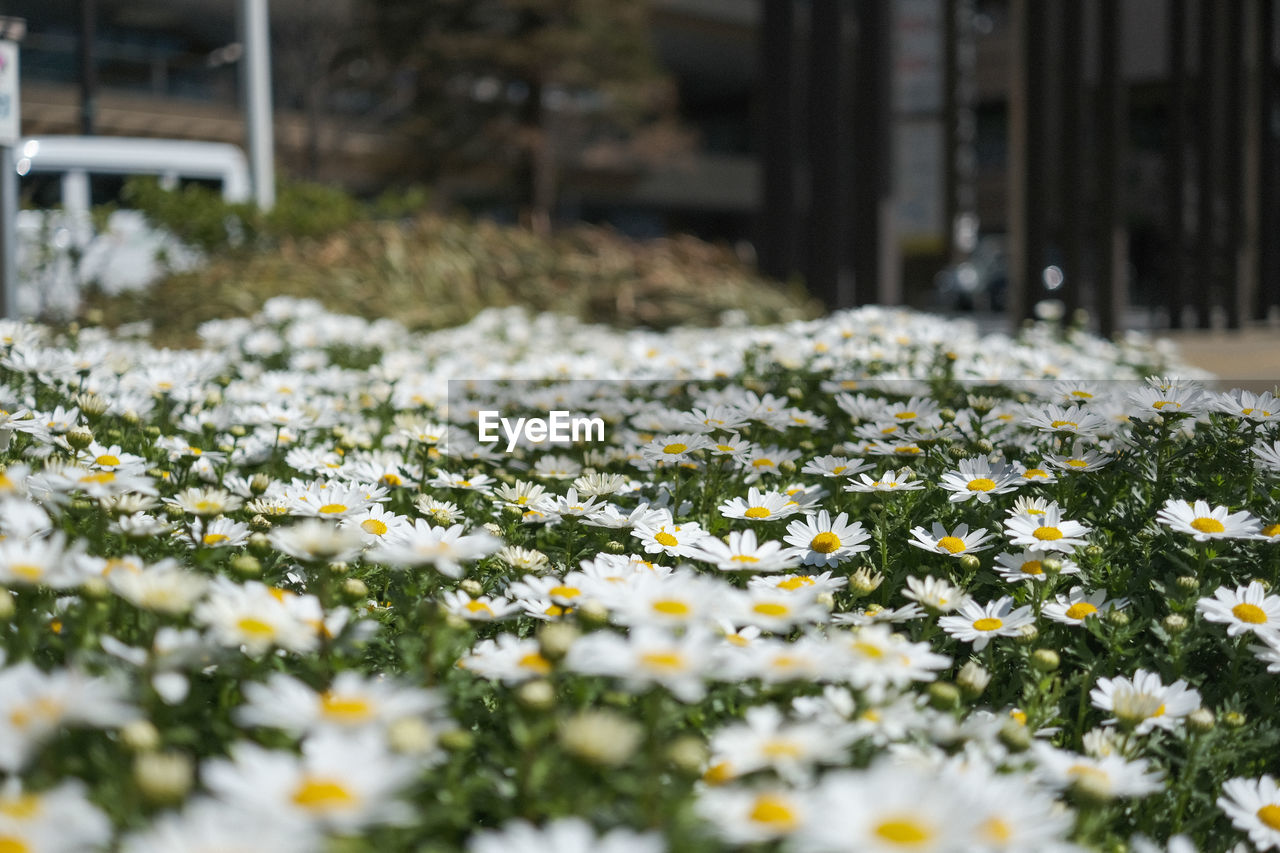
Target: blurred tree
524	89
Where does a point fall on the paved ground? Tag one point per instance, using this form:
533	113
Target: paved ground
1246	359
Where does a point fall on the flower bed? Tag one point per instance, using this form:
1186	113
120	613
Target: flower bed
869	582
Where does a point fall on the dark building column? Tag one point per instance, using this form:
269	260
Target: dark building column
779	117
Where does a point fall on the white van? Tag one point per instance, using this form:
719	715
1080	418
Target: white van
61	178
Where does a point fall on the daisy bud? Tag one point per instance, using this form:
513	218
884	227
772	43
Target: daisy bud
93	405
411	736
876	507
1263	582
1189	584
354	589
80	437
1051	565
457	740
174	512
1093	552
246	565
972	680
957	452
943	696
795	393
132	418
1045	660
981	404
970	563
613	546
95	589
259	544
1026	635
1234	720
537	695
163	777
826	599
1175	623
339	567
1015	737
555	640
140	736
1117	618
493	529
1200	720
688	754
471	587
865	581
593	614
237	431
1090	789
455	622
605	738
984	446
947	415
787	466
259	483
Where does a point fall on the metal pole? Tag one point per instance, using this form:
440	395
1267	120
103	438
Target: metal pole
1075	171
1036	188
88	72
1176	171
778	228
9	232
825	149
1233	171
1268	293
1017	303
1113	291
256	81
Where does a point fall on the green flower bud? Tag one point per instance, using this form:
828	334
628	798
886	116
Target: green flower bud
1117	618
456	740
972	680
943	696
246	565
163	777
1045	660
471	587
984	446
555	639
140	736
1015	736
688	754
259	544
354	589
1201	720
536	695
80	437
1234	719
1027	635
970	563
1175	623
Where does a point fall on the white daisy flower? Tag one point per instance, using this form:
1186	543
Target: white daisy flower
1075	607
1048	532
1253	806
977	478
978	623
1144	701
563	835
1029	565
825	541
760	506
955	543
903	480
743	553
1108	776
1246	608
1203	522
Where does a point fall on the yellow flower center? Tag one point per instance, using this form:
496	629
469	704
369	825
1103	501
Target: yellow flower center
1160	404
1032	567
869	650
214	538
1061	424
718	774
671	607
982	484
744	558
988	623
825	543
1270	815
770	608
781	749
564	591
99	478
478	607
951	544
1046	533
20	807
665	539
1208	525
757	512
905	416
107	459
1080	609
11	844
347	709
1251	613
662	660
390	480
331	509
255	627
796	582
535	662
675	449
774	812
1035	472
839	469
27	571
1077	463
373	526
996	829
1271	530
762	463
322	795
905	831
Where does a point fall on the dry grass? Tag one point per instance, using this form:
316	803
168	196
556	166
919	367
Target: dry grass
433	271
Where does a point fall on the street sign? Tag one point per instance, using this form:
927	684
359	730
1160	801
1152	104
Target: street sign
10	122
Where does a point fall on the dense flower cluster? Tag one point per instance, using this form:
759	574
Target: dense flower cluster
870	583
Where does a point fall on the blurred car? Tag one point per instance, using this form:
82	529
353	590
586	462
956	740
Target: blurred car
62	178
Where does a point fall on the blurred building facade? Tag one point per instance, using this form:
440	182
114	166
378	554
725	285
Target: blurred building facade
778	141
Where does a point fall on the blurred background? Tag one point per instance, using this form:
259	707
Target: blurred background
994	157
